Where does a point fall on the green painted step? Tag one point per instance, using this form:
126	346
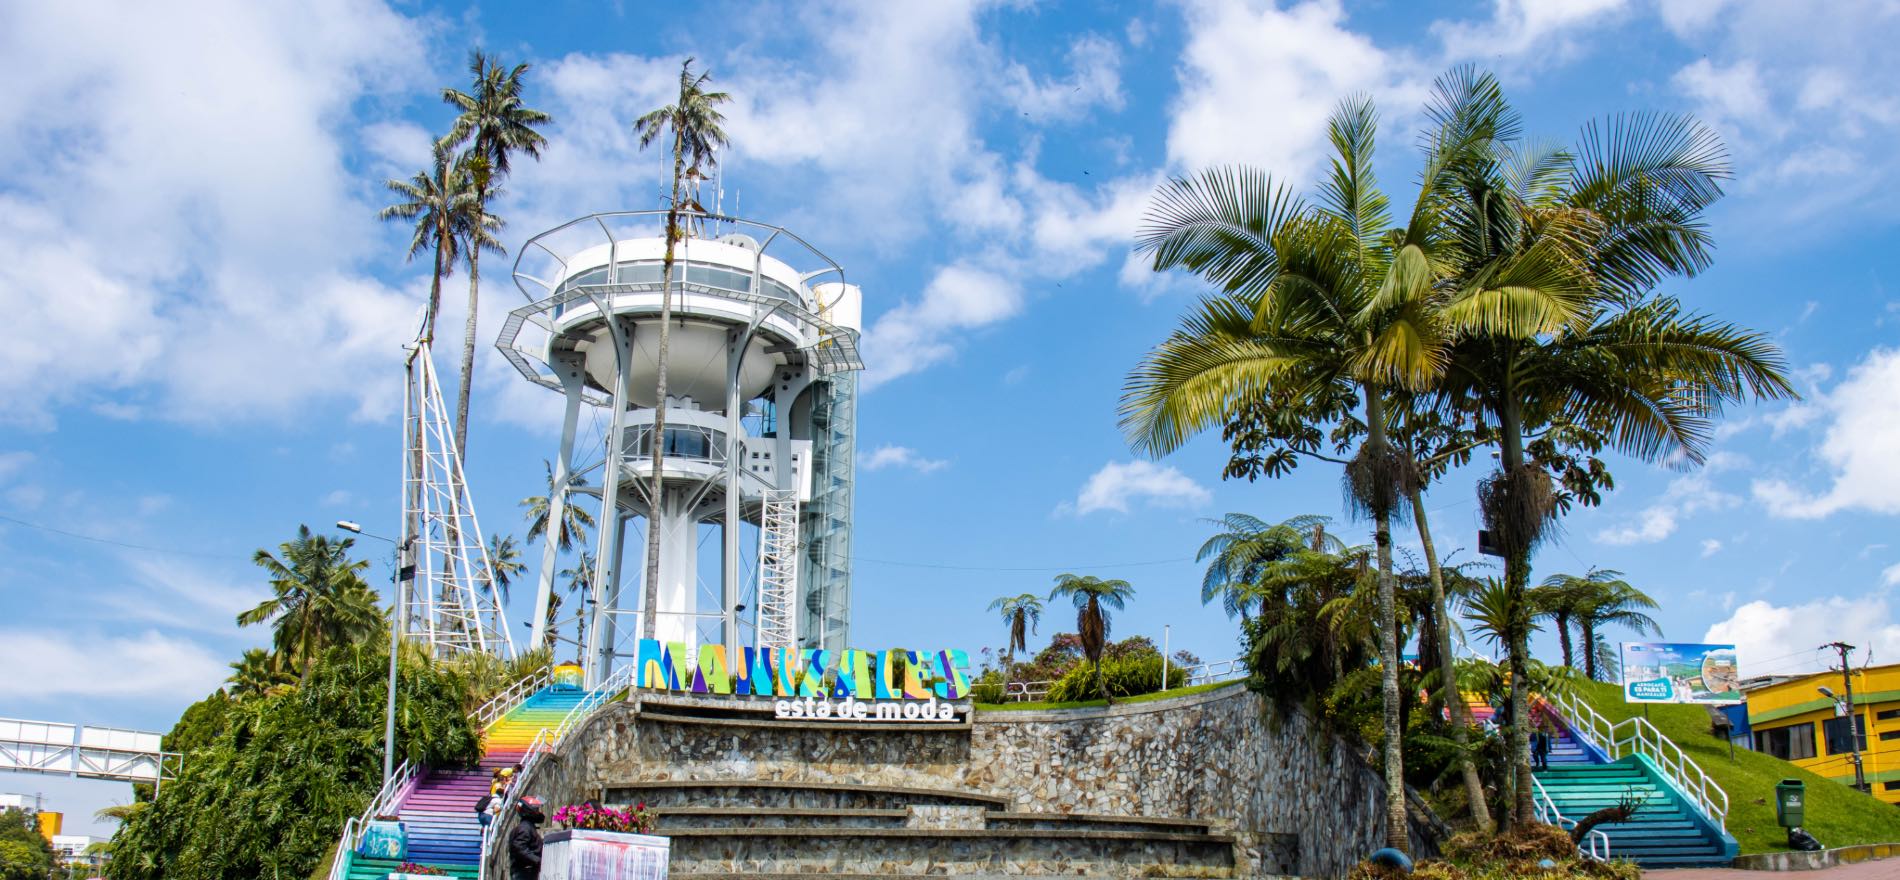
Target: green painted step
361	868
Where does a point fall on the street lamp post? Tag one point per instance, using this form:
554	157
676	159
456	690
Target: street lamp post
403	573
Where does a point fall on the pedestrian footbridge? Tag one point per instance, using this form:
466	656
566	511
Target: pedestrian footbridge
90	752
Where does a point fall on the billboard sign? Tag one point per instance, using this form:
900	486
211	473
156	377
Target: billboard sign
1674	672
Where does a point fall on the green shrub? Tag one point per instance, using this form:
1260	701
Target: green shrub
276	776
1123	677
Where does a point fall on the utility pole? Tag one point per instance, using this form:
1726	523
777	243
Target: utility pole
1853	720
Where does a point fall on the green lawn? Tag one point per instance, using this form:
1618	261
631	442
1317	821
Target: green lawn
1836	815
1158	695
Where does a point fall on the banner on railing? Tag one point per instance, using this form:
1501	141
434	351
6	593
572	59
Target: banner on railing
1677	672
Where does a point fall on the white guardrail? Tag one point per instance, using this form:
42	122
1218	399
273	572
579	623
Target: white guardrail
406	776
391	795
1595	845
1204	673
1636	736
545	743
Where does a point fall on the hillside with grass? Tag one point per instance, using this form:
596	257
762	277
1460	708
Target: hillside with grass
1836	815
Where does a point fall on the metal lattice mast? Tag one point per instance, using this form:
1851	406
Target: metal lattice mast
453	604
778	569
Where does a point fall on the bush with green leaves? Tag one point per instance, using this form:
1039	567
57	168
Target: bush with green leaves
268	781
24	854
1122	676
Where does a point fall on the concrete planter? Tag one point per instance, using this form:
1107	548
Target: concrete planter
581	854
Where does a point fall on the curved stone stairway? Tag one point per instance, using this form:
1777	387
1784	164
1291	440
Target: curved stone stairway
438	813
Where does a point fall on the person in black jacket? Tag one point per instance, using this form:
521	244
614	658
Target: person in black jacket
524	842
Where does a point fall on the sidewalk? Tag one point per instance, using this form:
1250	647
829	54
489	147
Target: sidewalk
1879	869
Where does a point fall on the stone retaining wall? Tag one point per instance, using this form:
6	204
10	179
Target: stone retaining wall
1296	801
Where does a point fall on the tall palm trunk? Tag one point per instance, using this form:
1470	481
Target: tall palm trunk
1517	580
1454	701
651	593
1396	832
1589	628
1562	619
468	341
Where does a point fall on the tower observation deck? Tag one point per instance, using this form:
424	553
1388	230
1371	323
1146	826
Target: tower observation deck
754	513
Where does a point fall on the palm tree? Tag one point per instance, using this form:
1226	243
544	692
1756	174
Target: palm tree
255	674
444	206
495	123
1244	548
1090	594
1550	258
694	119
1601	599
1322	309
321	599
504	561
575	520
1556	599
1020	614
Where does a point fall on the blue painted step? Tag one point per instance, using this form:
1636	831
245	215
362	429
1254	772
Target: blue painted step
1668	830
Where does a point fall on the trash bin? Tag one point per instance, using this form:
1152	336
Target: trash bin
1790	795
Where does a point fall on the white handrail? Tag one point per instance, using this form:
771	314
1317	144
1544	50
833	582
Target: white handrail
405	776
391	794
545	743
1598	846
510	697
1636	736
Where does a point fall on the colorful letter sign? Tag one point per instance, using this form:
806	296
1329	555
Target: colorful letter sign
858	678
1670	672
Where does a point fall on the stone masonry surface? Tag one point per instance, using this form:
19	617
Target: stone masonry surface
1296	801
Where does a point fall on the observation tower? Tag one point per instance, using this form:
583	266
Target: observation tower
754	513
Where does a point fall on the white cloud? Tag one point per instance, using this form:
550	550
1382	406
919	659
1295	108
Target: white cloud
1120	485
1094	80
147	666
1710	547
179	208
1533	28
1891	575
1731	94
888	456
1257	83
12	462
1859	448
922	332
1686	495
1780	638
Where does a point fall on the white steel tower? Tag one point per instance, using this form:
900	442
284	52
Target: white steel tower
446	589
761	420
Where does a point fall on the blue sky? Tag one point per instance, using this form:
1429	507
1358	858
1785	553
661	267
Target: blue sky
205	316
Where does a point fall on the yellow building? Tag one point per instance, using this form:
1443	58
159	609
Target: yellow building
1793	720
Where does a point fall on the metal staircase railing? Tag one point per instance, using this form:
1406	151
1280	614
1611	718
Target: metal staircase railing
510	697
778	568
1595	845
391	795
1636	736
545	743
406	776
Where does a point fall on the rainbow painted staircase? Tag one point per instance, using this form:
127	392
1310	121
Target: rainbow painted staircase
437	806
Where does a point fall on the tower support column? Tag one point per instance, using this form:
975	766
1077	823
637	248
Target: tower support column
572	377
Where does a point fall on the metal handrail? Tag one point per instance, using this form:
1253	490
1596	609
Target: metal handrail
1598	843
1636	736
545	743
1643	738
1200	673
510	697
392	793
406	775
